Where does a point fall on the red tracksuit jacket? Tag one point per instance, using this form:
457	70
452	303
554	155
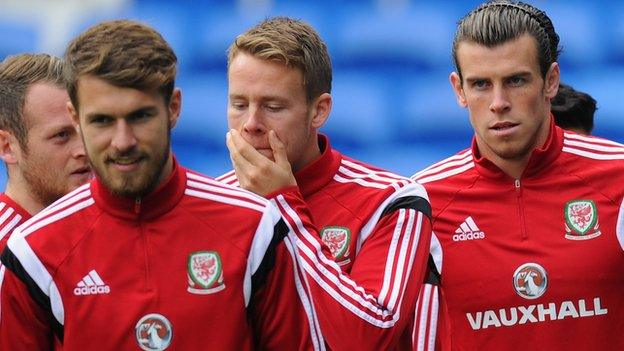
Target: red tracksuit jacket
195	265
364	275
535	262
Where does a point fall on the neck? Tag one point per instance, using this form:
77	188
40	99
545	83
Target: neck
311	153
19	192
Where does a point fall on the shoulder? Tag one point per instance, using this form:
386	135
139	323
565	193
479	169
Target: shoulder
591	149
362	177
451	167
599	162
211	191
228	178
54	227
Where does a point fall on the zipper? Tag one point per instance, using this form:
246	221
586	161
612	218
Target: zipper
137	205
523	229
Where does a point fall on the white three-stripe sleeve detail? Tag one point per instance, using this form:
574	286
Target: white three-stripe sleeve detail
304	295
259	246
433	321
224	199
412	189
620	225
423	302
389	269
435	249
402	274
330	278
2	272
7	228
37	271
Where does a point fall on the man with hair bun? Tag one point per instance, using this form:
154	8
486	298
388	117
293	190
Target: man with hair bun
149	255
529	221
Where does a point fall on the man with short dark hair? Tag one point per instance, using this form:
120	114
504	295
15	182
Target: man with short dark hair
529	221
149	255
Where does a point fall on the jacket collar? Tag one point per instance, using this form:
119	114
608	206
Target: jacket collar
152	205
541	158
319	172
16	207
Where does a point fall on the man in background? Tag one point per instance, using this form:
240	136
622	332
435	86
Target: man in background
41	149
573	110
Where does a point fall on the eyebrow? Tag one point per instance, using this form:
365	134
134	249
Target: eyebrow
145	109
514	74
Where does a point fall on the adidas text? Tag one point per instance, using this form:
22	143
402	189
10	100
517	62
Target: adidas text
92	290
469	236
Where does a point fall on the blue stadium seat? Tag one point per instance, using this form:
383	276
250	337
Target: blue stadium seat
430	110
17	37
204	102
419	35
361	114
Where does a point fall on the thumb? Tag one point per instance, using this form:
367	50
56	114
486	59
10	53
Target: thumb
279	150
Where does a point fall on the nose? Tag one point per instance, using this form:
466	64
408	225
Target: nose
254	123
123	137
500	102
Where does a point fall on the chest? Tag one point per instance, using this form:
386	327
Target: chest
140	282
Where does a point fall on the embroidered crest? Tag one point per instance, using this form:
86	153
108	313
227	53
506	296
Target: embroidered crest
581	220
153	332
337	240
205	273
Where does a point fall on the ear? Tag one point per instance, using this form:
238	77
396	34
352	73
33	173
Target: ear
175	106
8	147
321	108
456	84
551	83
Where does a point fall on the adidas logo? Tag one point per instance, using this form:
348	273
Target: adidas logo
468	230
91	284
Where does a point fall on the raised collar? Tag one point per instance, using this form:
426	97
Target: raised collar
540	159
15	206
319	172
154	204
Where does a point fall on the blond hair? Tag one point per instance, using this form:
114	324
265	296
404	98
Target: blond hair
293	43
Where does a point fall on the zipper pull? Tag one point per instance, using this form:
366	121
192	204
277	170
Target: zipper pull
137	205
517	183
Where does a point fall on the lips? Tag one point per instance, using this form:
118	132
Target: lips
501	126
82	170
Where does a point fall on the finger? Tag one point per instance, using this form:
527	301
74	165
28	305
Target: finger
279	150
245	149
240	164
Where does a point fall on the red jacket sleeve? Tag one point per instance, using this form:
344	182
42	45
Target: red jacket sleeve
24	324
372	307
282	317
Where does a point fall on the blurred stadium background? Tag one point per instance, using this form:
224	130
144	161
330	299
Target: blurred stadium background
393	105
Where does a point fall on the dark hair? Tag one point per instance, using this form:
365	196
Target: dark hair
496	22
123	53
573	109
293	43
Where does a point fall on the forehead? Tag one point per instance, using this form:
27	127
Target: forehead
97	96
45	104
249	73
519	54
